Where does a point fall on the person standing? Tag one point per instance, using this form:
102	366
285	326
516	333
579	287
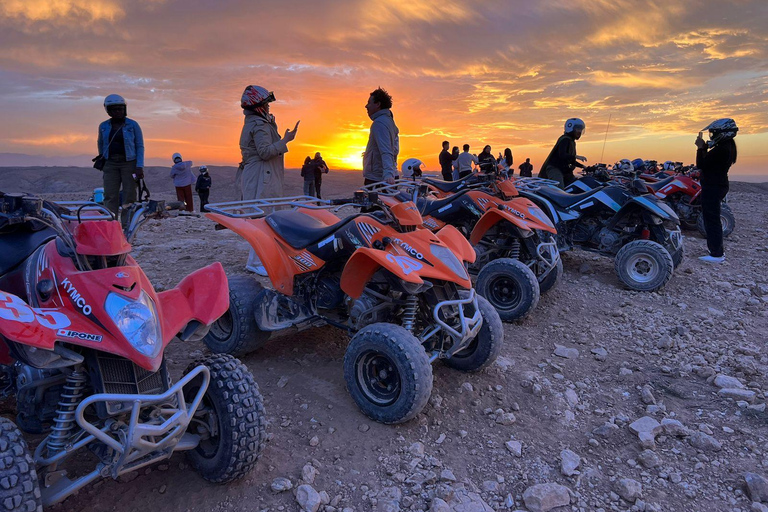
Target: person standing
446	161
466	160
262	150
486	160
455	156
319	168
181	172
121	144
203	186
715	158
526	169
507	161
562	159
308	173
380	157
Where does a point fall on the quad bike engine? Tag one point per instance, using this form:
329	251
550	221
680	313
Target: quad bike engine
328	292
365	311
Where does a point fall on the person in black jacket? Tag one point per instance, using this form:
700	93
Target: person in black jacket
320	167
562	159
486	160
446	161
715	158
203	186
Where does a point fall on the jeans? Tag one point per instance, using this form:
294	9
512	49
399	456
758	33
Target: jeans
118	172
185	194
711	198
309	188
318	184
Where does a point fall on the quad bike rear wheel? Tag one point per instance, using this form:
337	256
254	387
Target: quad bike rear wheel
388	373
236	332
483	350
510	286
644	265
726	219
552	278
20	489
230	421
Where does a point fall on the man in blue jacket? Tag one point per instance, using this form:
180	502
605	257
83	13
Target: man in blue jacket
380	157
121	143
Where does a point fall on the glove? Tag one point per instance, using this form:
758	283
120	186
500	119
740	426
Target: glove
139	173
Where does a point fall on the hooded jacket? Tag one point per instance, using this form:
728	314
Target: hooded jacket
380	160
182	174
262	150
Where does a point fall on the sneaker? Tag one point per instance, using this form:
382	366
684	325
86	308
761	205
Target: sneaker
712	259
259	270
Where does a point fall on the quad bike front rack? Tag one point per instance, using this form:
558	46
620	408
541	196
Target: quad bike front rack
256	208
532	184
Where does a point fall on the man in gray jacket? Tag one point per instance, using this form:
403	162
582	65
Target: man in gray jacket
380	157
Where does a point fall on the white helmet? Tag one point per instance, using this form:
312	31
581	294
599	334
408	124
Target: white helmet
114	100
411	166
203	168
625	164
575	123
669	165
175	156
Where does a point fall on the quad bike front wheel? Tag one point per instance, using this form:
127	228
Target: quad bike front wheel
510	286
236	332
388	373
551	279
230	421
483	350
20	490
726	219
644	265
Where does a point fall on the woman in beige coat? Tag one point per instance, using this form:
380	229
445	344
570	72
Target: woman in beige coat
262	150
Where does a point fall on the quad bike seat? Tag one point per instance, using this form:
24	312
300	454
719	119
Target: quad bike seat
431	206
300	229
660	184
446	186
17	245
562	198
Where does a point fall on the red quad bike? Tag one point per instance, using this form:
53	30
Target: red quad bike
403	293
517	257
83	335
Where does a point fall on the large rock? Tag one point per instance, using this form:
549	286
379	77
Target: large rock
704	442
737	394
725	381
462	500
674	428
565	352
308	498
544	497
569	462
628	489
281	484
757	487
645	424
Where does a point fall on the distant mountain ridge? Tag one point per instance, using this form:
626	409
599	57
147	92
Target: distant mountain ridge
24	160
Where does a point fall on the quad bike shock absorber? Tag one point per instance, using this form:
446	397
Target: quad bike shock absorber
514	249
64	422
409	312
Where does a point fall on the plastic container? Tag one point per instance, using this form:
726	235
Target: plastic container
98	195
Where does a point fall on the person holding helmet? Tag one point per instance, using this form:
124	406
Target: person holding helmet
203	186
715	157
121	144
562	159
262	149
411	168
181	172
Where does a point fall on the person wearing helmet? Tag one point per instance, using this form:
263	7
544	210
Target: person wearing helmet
715	158
121	144
562	159
411	168
203	186
380	157
262	149
181	173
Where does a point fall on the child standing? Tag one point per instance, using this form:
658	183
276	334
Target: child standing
203	186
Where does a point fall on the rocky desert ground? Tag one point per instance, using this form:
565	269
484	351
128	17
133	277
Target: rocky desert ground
603	399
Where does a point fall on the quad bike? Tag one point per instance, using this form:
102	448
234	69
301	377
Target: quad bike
639	230
403	293
83	335
517	257
681	191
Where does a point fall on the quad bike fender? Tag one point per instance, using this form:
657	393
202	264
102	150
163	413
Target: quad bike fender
365	262
202	297
650	204
492	217
507	188
453	238
40	327
278	265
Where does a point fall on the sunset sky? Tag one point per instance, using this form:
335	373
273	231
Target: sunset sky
501	72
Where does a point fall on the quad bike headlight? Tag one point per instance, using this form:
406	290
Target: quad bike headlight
537	212
445	255
137	320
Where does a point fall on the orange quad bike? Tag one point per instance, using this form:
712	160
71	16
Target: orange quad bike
82	341
517	257
403	293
